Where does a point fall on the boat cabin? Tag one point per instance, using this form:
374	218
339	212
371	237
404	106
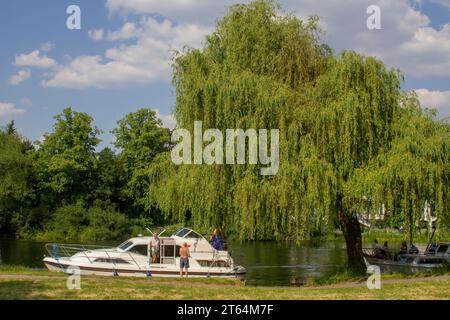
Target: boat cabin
169	247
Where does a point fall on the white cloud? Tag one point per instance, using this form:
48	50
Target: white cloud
9	110
182	11
167	120
144	61
428	52
406	40
20	76
96	34
93	71
34	59
435	99
128	31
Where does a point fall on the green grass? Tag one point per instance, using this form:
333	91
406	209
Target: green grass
348	276
23	283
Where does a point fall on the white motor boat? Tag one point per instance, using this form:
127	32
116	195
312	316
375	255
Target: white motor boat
434	257
136	257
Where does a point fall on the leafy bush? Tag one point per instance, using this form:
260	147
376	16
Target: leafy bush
76	223
105	225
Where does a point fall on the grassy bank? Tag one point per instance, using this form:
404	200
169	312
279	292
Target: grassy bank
23	283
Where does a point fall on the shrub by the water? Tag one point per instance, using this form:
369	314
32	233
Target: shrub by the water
74	222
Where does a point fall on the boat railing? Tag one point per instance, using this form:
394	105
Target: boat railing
58	251
67	250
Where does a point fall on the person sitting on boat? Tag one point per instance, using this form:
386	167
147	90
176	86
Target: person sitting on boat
216	241
377	250
184	259
403	248
385	250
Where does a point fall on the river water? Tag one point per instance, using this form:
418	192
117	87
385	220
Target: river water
267	263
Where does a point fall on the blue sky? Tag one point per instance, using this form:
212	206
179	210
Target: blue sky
119	60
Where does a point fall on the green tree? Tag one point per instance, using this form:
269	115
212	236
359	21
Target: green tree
109	178
413	170
15	168
66	162
261	69
140	136
75	222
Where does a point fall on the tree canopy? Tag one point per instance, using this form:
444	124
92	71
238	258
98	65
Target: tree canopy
66	158
140	137
15	167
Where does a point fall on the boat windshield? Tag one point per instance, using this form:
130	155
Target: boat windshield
124	246
182	232
187	233
193	234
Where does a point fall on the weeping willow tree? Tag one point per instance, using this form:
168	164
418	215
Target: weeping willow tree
337	115
415	169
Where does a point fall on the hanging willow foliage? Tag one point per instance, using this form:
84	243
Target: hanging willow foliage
337	117
415	169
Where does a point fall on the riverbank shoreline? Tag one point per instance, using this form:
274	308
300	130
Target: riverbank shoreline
393	236
20	283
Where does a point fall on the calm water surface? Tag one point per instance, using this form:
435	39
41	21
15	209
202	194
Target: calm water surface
267	263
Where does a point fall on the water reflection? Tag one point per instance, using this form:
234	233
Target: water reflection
276	263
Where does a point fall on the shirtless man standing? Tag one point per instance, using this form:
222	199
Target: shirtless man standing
184	259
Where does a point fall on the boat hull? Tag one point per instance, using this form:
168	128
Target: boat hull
388	266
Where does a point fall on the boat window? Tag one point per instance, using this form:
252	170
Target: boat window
442	248
139	249
209	263
182	232
168	251
115	261
125	245
193	234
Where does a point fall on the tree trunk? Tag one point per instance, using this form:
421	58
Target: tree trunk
352	233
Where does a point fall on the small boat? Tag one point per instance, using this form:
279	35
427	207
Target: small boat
436	256
134	257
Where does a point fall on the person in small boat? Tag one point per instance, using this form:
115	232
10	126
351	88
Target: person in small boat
403	248
184	259
216	240
385	250
155	248
377	250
